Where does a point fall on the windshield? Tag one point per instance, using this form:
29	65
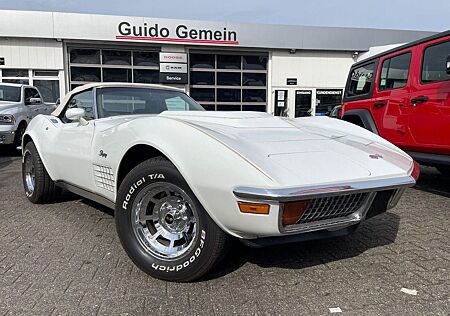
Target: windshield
9	93
126	100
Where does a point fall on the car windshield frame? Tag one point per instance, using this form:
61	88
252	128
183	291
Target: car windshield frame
154	95
16	97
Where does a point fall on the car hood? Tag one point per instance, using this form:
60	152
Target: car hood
6	106
303	150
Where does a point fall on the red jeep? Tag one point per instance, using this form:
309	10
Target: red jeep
403	95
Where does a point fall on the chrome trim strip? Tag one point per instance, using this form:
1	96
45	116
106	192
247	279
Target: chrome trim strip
301	193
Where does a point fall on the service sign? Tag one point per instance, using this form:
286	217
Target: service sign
173	58
173	78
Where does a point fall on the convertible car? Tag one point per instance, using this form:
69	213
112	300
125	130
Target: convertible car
183	181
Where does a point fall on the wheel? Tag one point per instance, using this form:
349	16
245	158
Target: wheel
19	134
39	187
163	227
445	170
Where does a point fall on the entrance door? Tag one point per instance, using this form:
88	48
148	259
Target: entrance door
326	100
303	99
281	103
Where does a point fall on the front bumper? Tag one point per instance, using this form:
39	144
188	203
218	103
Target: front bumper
7	138
376	196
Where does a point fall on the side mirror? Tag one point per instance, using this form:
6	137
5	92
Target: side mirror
76	115
31	101
447	66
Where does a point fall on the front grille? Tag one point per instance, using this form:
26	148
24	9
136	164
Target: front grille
332	207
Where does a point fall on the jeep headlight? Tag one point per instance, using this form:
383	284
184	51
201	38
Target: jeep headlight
7	119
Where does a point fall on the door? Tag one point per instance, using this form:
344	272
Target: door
71	149
35	107
390	103
429	119
303	100
327	100
281	105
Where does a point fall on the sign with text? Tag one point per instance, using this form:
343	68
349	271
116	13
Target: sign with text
173	78
173	68
173	58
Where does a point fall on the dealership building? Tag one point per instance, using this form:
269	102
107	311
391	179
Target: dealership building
224	66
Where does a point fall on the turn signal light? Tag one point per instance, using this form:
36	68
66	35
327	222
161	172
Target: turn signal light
254	208
416	170
293	211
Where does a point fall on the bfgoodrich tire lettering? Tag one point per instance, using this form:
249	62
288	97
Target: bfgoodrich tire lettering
163	227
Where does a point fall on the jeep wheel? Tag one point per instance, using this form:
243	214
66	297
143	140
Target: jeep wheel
163	227
444	170
39	187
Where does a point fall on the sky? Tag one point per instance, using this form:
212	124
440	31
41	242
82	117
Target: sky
430	15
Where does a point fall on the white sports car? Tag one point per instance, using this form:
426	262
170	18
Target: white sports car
183	180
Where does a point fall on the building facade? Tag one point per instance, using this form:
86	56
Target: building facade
284	70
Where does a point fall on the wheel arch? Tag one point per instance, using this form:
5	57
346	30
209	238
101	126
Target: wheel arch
362	118
135	155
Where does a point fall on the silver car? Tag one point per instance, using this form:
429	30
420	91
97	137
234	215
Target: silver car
18	105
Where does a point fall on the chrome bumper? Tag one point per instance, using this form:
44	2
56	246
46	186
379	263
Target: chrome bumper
7	138
302	193
372	187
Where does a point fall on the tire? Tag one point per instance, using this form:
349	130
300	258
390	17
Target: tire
163	227
39	187
444	170
19	134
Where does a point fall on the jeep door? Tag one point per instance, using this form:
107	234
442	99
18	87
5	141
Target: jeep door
390	103
429	119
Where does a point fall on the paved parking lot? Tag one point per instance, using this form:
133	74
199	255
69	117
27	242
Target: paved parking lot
65	258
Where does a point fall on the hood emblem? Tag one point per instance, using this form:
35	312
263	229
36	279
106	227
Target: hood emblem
375	156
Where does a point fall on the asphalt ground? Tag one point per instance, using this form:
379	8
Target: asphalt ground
65	259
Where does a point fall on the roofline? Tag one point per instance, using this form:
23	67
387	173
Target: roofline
401	47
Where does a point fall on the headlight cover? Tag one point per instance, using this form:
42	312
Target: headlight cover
7	119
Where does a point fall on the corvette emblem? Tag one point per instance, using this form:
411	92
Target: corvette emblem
375	156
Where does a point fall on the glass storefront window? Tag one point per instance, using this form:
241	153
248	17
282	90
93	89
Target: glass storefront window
146	76
228	95
228	107
84	56
258	95
116	57
327	99
146	59
228	78
202	61
228	62
89	74
116	75
254	107
15	72
202	78
19	81
49	89
200	94
255	62
253	79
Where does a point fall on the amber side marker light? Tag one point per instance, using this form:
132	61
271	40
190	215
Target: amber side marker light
254	208
293	211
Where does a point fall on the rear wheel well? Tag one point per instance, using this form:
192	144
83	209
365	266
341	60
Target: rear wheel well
134	156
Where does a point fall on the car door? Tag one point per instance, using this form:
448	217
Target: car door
71	143
34	108
429	120
391	96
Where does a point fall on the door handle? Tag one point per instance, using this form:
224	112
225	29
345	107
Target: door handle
419	99
379	104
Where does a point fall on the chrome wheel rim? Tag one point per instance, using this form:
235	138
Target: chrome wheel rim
164	220
30	175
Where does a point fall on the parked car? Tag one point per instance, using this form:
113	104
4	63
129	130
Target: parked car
403	95
18	105
183	180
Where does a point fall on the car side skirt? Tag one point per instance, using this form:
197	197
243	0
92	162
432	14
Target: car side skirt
86	194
